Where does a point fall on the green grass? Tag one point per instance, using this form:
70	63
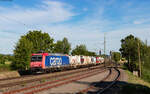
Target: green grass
135	85
146	74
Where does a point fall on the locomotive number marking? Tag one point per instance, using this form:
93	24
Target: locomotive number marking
55	61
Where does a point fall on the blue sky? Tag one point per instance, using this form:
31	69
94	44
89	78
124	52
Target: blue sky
81	21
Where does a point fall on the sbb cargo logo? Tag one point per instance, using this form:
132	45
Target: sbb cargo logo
55	61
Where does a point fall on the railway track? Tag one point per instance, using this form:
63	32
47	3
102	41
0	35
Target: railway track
81	75
13	82
102	84
33	75
112	78
78	74
117	78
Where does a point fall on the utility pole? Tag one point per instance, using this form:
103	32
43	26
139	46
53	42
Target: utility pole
139	59
146	42
100	52
104	43
110	58
104	49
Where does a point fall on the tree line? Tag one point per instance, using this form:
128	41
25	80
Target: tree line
137	54
5	58
36	42
116	56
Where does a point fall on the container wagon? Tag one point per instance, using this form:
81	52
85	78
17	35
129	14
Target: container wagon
47	62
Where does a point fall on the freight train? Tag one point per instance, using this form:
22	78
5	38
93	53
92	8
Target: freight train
48	62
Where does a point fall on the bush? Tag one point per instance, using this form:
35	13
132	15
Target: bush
5	67
146	74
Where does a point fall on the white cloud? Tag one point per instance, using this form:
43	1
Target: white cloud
7	42
137	22
85	9
48	12
114	37
94	37
86	31
141	21
16	21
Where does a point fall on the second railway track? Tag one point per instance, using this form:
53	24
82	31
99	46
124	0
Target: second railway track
78	73
103	85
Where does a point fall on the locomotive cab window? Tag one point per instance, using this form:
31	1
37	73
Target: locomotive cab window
36	58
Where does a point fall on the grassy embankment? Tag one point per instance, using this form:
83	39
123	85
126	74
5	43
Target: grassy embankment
5	67
146	74
135	85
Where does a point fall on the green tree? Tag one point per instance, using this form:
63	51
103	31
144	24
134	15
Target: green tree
80	50
116	56
129	50
58	47
2	59
32	42
89	53
62	46
66	46
22	54
41	41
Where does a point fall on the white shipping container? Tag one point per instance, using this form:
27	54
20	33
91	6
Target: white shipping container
93	59
74	60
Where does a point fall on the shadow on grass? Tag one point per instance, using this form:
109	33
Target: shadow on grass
120	87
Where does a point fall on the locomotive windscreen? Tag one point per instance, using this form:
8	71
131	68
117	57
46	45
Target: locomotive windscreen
36	58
